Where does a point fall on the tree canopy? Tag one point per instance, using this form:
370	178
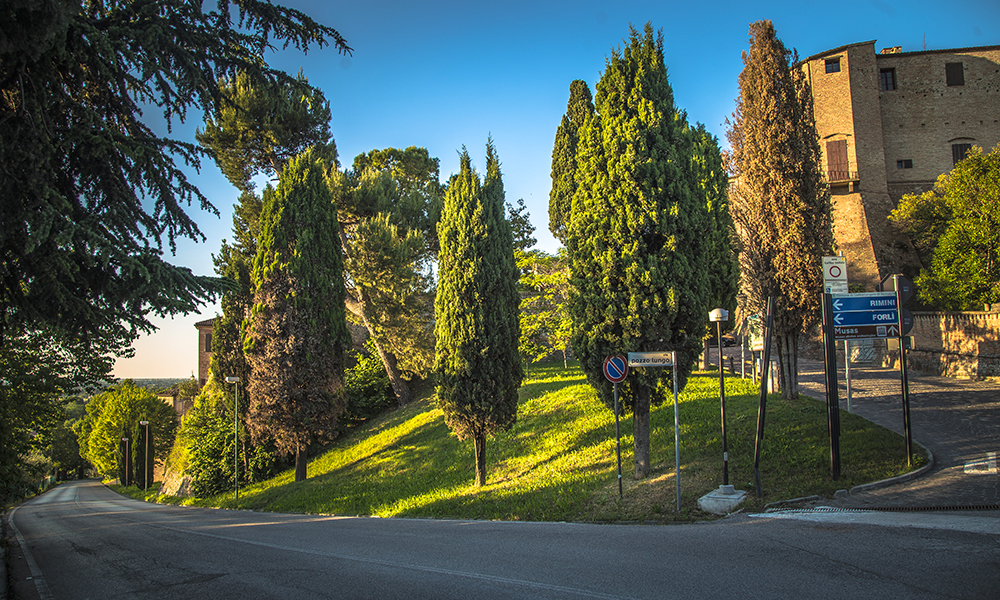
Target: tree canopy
93	194
115	414
579	109
95	191
476	309
958	222
641	238
779	202
297	335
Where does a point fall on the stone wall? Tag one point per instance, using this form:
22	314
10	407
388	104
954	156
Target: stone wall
956	344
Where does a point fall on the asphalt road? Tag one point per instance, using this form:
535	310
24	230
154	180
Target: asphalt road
84	541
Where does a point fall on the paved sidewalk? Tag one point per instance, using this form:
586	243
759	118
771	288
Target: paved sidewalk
958	420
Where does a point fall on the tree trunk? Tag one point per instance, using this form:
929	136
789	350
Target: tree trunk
640	432
389	361
480	441
704	356
300	463
788	364
399	387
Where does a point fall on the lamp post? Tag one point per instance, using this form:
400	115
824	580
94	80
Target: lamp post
145	462
125	483
719	315
236	433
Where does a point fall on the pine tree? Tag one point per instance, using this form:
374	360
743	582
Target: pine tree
389	204
476	361
640	233
779	203
579	108
297	333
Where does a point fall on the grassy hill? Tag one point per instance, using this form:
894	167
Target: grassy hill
558	462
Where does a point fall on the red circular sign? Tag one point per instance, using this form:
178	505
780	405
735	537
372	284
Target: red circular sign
616	368
835	271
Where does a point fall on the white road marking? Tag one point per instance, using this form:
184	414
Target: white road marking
986	465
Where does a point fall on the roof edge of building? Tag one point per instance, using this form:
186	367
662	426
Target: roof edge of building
966	49
835	50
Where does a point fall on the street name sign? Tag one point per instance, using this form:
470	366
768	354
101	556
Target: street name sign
650	359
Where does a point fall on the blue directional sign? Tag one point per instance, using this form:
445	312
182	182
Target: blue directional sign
864	302
869	317
865	316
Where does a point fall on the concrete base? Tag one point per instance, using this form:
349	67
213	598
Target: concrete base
721	501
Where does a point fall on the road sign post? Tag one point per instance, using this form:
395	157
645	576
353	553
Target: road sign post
616	370
832	393
665	359
904	291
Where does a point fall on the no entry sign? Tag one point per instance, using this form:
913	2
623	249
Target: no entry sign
615	368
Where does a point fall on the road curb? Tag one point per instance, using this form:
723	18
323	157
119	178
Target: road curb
866	487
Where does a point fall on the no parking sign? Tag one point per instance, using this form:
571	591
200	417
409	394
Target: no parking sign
616	368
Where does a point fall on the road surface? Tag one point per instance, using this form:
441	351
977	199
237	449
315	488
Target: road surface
82	541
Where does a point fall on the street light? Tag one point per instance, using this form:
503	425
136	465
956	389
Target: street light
145	463
236	433
718	316
125	483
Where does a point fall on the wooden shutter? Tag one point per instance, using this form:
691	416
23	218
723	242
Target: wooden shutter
836	161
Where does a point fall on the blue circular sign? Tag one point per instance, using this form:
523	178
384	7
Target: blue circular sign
616	368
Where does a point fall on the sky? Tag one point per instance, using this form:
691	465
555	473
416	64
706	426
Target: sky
443	75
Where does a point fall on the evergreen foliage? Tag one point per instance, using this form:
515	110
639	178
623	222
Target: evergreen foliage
297	333
959	223
115	414
643	248
779	202
389	204
207	434
95	190
579	109
260	125
476	309
546	325
91	192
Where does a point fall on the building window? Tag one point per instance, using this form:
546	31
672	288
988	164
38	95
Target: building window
833	65
954	73
959	151
906	163
887	80
208	342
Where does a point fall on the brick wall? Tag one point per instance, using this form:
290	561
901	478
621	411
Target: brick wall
204	353
956	344
924	116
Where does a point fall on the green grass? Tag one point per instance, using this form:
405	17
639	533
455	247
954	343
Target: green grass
558	461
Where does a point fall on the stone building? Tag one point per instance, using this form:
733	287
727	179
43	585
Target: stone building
204	349
889	124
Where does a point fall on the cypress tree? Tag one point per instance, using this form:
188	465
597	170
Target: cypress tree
639	236
297	333
476	359
579	108
779	203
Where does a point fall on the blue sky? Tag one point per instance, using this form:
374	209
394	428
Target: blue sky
446	74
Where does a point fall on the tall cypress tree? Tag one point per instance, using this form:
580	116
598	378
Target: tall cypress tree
579	108
640	233
297	334
476	360
780	205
